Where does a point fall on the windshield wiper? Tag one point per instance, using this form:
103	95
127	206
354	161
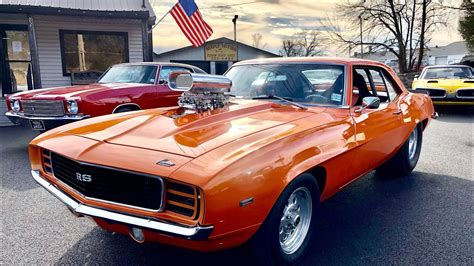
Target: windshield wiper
284	99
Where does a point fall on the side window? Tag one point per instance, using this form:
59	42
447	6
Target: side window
360	86
380	88
392	91
166	70
384	87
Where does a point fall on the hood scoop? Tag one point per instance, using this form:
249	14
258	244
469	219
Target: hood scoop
201	93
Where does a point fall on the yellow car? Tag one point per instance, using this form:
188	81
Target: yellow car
447	85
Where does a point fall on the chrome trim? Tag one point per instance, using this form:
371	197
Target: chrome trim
43	107
464	97
162	199
125	104
186	81
190	232
66	117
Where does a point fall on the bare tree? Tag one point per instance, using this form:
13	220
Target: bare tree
305	43
401	27
257	41
310	43
290	47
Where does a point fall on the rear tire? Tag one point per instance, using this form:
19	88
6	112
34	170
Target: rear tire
288	231
407	157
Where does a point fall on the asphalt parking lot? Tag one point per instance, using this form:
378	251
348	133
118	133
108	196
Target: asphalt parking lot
425	218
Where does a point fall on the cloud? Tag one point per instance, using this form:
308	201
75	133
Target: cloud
274	19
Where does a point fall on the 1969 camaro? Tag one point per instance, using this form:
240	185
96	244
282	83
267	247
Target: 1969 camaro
243	158
122	88
447	85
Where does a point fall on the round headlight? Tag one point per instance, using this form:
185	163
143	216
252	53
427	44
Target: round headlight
72	107
15	105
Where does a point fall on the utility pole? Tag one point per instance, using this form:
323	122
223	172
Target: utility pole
361	44
234	20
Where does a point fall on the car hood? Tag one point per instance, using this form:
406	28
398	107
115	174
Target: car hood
72	91
191	135
448	84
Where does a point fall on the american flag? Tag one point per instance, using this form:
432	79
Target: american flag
189	19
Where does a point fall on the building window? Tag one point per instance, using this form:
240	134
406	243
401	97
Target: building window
83	51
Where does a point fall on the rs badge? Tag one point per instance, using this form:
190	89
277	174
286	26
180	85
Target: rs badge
83	177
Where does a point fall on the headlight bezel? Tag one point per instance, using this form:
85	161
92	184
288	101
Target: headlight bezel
15	105
72	106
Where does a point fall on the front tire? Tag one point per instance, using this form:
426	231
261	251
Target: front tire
406	158
285	236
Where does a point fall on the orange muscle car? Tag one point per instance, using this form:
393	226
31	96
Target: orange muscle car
243	158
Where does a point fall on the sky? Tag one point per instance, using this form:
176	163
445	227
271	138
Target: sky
273	19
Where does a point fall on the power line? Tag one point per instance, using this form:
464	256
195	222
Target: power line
239	4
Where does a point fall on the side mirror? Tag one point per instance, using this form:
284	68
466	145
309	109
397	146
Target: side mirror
162	82
417	76
369	103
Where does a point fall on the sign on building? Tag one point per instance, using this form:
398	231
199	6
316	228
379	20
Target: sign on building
220	52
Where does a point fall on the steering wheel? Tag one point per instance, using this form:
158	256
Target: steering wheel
317	98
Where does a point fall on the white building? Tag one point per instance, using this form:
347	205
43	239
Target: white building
43	42
452	53
449	54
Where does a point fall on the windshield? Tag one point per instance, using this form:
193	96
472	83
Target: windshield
130	74
447	73
303	83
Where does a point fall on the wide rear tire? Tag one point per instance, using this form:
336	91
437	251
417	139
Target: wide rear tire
406	158
288	231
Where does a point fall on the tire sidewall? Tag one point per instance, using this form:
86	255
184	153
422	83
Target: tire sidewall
411	163
277	254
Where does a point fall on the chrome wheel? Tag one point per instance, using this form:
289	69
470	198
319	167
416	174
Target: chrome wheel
295	221
413	143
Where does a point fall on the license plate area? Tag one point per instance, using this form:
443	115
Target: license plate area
37	124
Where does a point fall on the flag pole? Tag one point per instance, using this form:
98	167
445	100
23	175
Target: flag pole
161	19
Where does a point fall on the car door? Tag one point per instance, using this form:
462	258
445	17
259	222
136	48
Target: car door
166	96
378	131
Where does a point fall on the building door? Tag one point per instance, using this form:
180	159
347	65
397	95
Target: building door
221	67
15	59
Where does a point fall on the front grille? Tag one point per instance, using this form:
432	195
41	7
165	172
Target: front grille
109	184
47	162
42	108
466	93
434	93
182	199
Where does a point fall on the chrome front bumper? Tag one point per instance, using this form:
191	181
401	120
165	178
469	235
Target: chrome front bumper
48	121
193	233
11	114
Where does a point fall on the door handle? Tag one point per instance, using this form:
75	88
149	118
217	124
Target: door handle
398	112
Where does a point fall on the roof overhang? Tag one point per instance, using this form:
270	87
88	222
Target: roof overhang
42	10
